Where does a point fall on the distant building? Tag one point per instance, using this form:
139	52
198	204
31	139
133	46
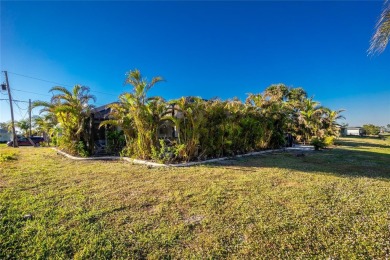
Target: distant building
357	131
5	136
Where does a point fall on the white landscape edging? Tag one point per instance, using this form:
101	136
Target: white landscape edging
136	161
153	164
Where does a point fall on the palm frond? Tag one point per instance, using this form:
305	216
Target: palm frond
39	103
381	36
109	122
61	89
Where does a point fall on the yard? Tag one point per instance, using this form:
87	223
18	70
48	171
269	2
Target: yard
327	204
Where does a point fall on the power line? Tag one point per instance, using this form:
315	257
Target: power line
44	80
17	105
21	110
31	92
14	100
49	81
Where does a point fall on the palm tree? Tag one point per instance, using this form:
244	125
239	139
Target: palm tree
7	126
45	124
380	38
23	125
189	119
72	111
144	112
140	85
330	121
74	107
276	92
120	116
310	118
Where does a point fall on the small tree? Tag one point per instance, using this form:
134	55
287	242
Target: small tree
23	125
45	125
138	115
371	129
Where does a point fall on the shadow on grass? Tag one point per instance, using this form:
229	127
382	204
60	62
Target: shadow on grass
337	161
363	141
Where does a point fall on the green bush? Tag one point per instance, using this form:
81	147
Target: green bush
371	129
322	142
7	156
318	143
81	149
115	141
127	151
329	140
168	153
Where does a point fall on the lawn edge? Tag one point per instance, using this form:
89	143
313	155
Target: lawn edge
154	164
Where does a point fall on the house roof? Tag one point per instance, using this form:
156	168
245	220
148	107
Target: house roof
102	112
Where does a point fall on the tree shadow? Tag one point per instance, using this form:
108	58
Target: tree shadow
337	161
363	142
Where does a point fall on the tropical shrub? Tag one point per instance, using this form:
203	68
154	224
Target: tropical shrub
71	109
166	153
215	128
115	141
81	149
329	140
371	129
322	142
317	142
7	156
203	128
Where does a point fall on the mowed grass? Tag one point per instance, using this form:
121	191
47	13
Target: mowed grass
326	204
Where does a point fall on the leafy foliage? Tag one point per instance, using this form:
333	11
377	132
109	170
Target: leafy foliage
138	116
7	156
371	129
201	128
214	128
71	109
81	149
23	125
381	36
322	142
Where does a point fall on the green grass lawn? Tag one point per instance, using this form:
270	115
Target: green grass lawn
327	204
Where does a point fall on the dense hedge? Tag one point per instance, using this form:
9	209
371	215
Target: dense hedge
204	128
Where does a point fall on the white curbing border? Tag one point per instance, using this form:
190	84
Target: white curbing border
153	164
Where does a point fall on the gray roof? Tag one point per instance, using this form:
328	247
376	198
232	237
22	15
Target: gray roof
102	112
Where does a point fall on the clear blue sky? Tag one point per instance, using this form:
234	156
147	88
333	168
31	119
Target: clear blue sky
208	49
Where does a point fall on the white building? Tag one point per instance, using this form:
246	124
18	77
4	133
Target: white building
358	131
5	136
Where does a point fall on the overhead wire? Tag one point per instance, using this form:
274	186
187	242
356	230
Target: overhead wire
20	110
57	83
31	92
15	101
44	80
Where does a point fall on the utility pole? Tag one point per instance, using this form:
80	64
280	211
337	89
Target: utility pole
15	138
29	114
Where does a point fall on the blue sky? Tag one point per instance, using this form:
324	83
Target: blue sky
208	49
